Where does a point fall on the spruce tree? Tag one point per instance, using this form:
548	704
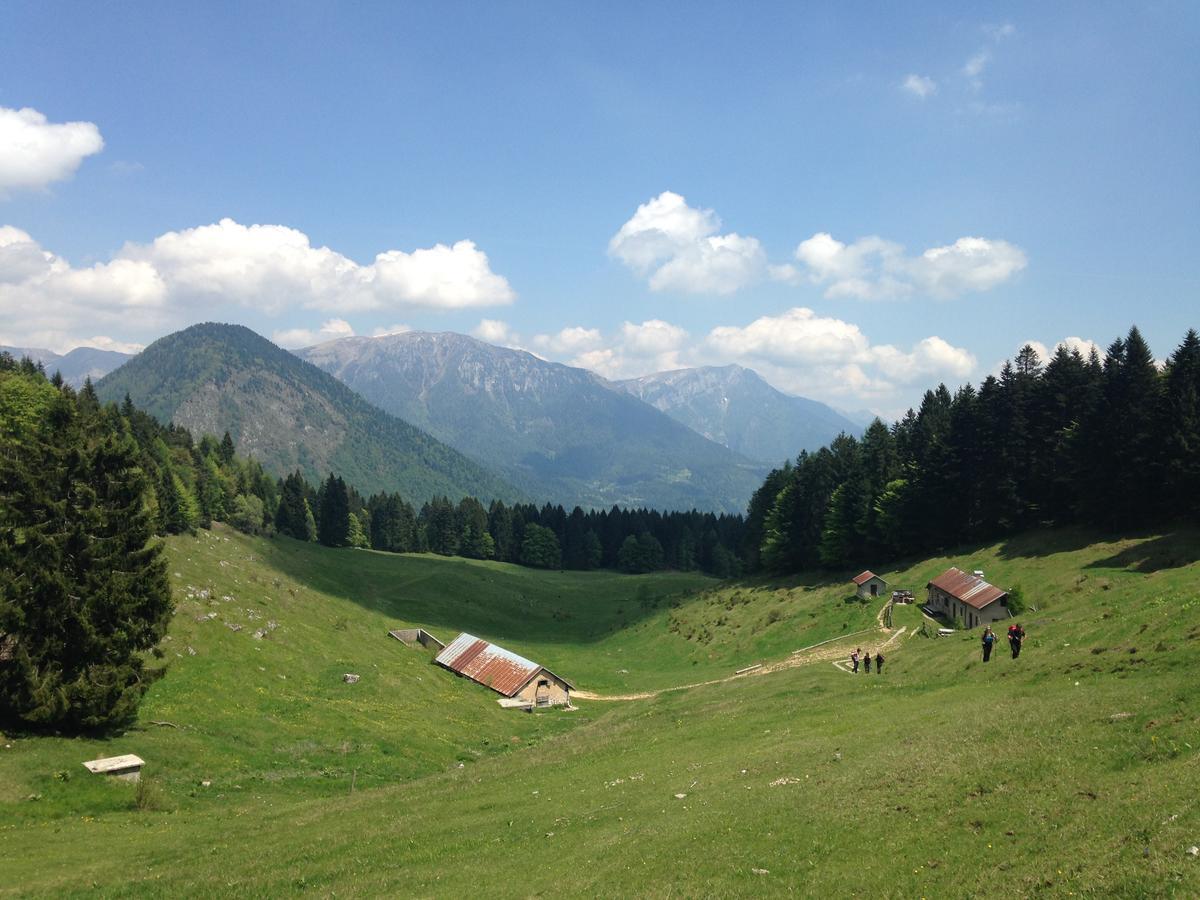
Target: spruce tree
83	585
333	515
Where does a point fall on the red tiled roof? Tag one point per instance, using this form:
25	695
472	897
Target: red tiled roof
865	577
967	588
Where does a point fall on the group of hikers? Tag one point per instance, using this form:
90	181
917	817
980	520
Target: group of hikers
1016	634
865	658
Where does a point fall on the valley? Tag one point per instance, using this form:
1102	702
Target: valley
1062	772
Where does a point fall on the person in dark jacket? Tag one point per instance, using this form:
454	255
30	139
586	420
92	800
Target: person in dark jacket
1016	634
867	661
878	663
989	641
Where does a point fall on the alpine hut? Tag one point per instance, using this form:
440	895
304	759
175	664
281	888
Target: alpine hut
522	682
964	595
869	585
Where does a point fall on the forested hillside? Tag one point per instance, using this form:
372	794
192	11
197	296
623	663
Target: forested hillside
289	415
1112	442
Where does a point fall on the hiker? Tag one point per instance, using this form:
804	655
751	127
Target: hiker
878	663
1016	634
854	659
989	639
867	661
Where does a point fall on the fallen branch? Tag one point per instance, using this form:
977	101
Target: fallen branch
165	724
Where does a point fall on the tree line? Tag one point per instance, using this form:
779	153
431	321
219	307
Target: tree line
1113	442
546	537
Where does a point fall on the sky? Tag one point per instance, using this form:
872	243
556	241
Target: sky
855	200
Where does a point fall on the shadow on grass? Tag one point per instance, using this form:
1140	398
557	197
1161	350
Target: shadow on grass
446	594
1168	551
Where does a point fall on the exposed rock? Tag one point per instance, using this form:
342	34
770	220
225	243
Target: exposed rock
350	678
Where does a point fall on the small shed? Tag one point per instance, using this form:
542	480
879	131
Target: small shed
869	585
417	636
127	767
513	677
965	595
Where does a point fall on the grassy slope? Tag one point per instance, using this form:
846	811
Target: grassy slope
942	777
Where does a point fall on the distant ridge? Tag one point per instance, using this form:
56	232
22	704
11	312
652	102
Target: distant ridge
559	433
734	406
77	365
288	414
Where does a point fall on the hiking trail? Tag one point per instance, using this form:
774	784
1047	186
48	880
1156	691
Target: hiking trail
832	650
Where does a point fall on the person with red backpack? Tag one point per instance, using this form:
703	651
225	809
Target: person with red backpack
1016	634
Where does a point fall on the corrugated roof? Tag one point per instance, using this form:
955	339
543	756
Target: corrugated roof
502	670
865	577
967	588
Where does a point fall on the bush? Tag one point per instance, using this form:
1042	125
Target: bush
1016	601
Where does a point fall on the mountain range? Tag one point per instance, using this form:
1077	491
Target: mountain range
557	432
290	415
735	407
75	366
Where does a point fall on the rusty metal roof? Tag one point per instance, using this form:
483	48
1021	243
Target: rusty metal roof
967	588
865	577
502	670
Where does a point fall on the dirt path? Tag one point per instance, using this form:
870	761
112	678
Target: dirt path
827	651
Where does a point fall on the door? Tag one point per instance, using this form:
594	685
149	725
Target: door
541	696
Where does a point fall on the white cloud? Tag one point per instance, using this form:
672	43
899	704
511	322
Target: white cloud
798	337
35	153
920	86
568	341
798	350
969	264
330	330
652	338
872	268
270	267
494	331
973	68
183	275
833	360
677	248
454	277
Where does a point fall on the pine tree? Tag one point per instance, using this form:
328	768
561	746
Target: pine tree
333	514
293	514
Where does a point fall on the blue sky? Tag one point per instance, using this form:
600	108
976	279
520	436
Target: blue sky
857	201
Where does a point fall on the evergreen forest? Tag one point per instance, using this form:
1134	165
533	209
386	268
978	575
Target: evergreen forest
1110	442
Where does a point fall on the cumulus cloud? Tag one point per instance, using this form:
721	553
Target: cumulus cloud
35	153
831	359
269	268
872	268
330	330
798	351
677	248
568	341
921	86
494	331
634	349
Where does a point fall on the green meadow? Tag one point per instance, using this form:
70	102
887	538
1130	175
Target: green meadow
1072	771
